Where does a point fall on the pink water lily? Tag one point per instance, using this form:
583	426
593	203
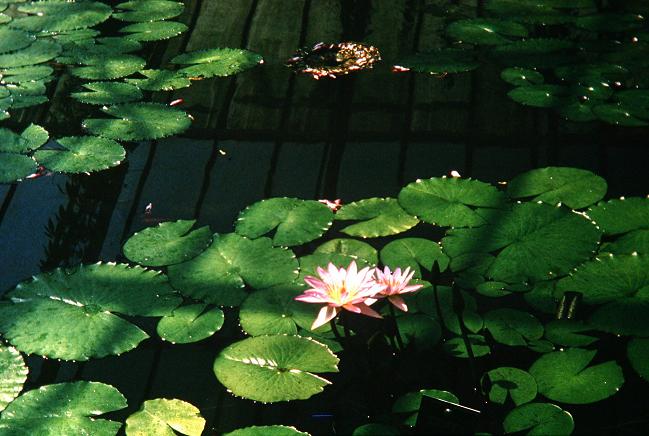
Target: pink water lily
395	283
341	288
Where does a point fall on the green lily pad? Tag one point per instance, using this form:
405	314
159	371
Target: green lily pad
310	263
568	333
485	31
13	374
267	430
621	216
636	101
440	61
577	111
191	323
295	221
82	154
74	36
542	297
220	273
507	382
12	40
14	167
161	80
419	330
219	62
493	289
63	408
440	304
539	95
638	354
610	22
167	244
407	406
153	31
29	73
574	187
109	66
531	47
139	121
415	253
564	376
89	52
275	368
373	429
30	139
618	114
108	93
70	314
539	419
350	248
521	76
38	52
57	16
382	217
165	417
624	316
150	10
457	347
513	327
636	241
450	201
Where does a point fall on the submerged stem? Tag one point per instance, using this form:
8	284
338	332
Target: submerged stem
397	334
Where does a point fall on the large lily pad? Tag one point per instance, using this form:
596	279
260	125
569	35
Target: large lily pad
485	31
102	93
38	52
63	408
539	419
82	154
539	95
295	221
415	253
513	327
54	15
266	430
15	167
507	382
619	115
440	62
150	10
165	417
109	66
12	40
13	374
167	244
220	273
191	323
153	31
71	314
624	316
569	333
275	368
350	248
636	241
139	121
521	76
621	216
407	406
217	62
381	217
161	80
638	353
565	376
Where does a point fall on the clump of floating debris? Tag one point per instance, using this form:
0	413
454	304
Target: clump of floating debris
333	60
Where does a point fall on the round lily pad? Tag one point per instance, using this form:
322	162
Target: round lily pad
295	221
12	40
507	382
565	376
539	95
150	10
419	330
38	52
13	374
139	121
441	303
165	417
380	217
440	61
621	216
602	22
109	66
267	430
350	248
624	316
82	154
54	15
577	111
407	406
485	31
63	408
71	314
513	327
569	333
191	323
636	101
458	348
275	368
102	93
415	253
636	241
161	80
638	353
619	115
521	76
153	31
14	167
539	419
219	62
167	244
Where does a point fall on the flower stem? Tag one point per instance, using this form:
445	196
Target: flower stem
397	334
334	328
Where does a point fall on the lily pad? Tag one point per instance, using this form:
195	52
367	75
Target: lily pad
108	93
636	101
513	327
139	121
506	382
63	408
12	40
450	201
621	216
275	368
167	244
38	52
610	22
440	61
219	62
415	253
565	376
161	80
153	31
350	248
636	241
57	16
191	323
70	314
267	430
165	417
457	347
150	10
220	273
310	263
441	304
109	66
638	353
373	429
576	188
539	419
624	316
295	221
14	167
539	95
521	76
419	330
13	374
382	217
30	139
82	154
485	31
618	114
408	405
569	333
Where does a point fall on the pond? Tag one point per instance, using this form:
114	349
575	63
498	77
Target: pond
171	172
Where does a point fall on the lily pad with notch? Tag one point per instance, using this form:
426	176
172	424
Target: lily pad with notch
191	323
104	93
485	31
82	154
165	417
216	62
508	382
407	406
569	333
150	10
153	31
513	327
457	347
382	217
160	80
415	253
539	419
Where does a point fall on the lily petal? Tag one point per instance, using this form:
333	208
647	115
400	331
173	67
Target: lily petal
398	302
325	315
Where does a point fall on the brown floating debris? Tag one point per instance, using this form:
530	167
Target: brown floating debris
333	60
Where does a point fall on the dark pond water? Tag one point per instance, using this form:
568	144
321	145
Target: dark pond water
270	133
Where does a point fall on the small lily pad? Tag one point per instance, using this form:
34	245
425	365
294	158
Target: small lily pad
539	95
108	93
82	154
350	248
14	167
217	62
521	76
165	417
153	31
12	40
568	333
266	430
381	217
56	16
13	374
191	323
109	67
507	382
415	253
539	419
440	61
485	31
150	10
161	80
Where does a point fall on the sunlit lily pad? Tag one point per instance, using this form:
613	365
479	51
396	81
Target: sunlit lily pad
27	73
539	419
13	374
102	93
513	327
63	408
220	273
82	154
415	253
70	314
150	10
12	40
521	76
295	221
569	333
108	67
621	216
565	376
440	61
217	62
191	323
507	382
266	430
165	417
154	31
38	52
574	187
351	248
139	121
14	167
407	406
161	80
167	244
485	31
53	15
638	353
275	368
380	216
30	139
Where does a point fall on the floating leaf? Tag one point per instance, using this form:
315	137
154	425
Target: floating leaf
59	16
13	374
373	429
161	80
573	187
638	353
531	47
440	61
82	154
485	31
624	316
108	67
40	51
34	136
618	114
521	76
15	167
513	327
408	405
139	121
440	303
275	368
88	52
413	253
191	323
383	217
419	330
63	408
601	22
564	376
70	314
539	419
108	93
220	273
621	216
165	417
636	241
167	244
458	348
217	62
636	101
568	332
267	430
153	31
296	221
539	95
350	248
577	111
507	382
450	201
12	40
150	10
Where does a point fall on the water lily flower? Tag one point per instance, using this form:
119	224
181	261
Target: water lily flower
396	283
341	288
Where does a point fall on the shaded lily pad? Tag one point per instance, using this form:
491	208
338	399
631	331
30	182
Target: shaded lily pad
167	244
161	80
30	139
14	167
153	31
569	333
420	330
415	253
602	22
150	10
539	419
621	216
636	101
295	221
38	52
275	368
57	16
82	154
108	67
13	374
618	114
63	408
108	93
350	248
521	76
165	417
373	429
638	353
217	62
636	241
457	347
507	382
191	323
577	111
382	217
624	316
407	406
513	327
29	73
539	95
440	304
440	61
12	40
267	430
485	31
